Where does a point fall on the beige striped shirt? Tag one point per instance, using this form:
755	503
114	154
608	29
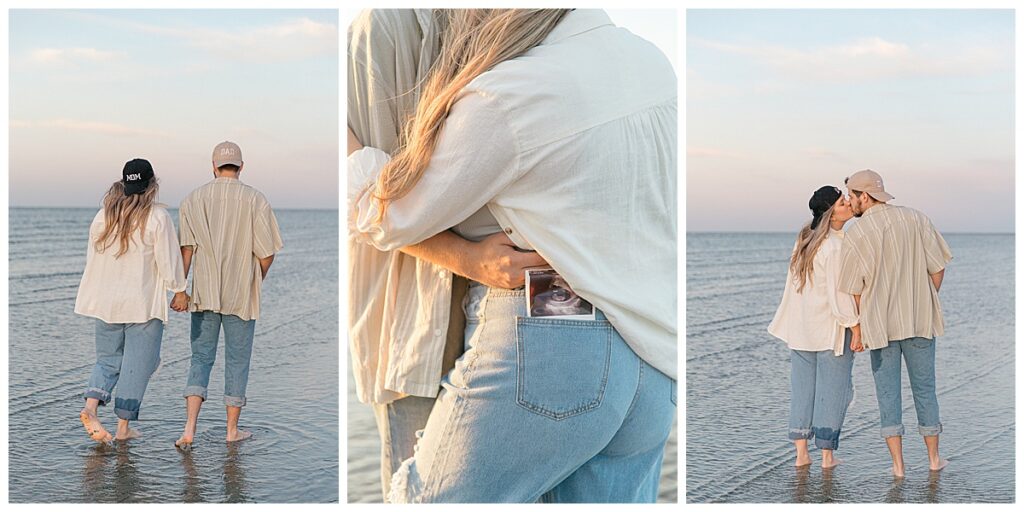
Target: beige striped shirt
888	258
231	227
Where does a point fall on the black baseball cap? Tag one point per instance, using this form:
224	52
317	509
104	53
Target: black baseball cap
136	176
821	201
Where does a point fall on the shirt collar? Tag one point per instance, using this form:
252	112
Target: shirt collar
877	208
578	21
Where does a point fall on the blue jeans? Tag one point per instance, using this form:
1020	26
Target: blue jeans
821	390
919	353
397	424
238	336
126	356
540	409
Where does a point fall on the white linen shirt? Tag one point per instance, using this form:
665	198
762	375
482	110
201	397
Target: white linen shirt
132	288
572	148
816	318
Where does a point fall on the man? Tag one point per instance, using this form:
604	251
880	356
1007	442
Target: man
230	231
893	265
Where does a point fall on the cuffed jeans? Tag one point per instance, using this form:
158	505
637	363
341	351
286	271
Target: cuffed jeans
540	408
126	356
397	424
919	353
821	385
238	335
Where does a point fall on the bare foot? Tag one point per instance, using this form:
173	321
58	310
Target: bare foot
238	435
131	433
941	464
897	471
803	461
185	441
93	427
832	463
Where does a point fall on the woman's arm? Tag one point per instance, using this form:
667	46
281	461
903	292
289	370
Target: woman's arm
493	261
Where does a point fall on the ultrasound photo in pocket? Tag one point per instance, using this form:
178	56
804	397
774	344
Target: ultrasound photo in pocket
548	295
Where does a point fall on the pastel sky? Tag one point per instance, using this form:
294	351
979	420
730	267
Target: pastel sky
781	102
91	89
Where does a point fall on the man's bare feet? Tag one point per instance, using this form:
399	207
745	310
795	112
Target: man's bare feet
803	461
897	471
93	426
831	463
185	441
128	434
238	435
937	466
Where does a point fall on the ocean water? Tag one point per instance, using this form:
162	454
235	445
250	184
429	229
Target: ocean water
293	384
737	376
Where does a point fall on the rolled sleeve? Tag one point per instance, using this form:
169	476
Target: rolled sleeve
186	237
168	254
851	276
937	253
475	159
266	235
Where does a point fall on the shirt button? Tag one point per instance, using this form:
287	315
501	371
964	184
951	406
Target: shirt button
508	231
437	333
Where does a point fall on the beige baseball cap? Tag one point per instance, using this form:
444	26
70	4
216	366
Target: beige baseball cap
227	153
868	181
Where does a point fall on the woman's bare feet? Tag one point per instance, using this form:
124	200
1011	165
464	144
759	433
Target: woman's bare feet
897	470
938	465
238	435
803	457
835	461
128	434
93	426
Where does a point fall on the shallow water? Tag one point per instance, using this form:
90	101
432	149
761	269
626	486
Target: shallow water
737	379
292	391
364	454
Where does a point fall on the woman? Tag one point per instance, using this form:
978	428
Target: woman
390	53
133	260
820	325
563	127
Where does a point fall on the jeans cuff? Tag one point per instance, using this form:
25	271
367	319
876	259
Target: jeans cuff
234	401
199	391
100	394
127	408
893	431
826	438
930	430
800	433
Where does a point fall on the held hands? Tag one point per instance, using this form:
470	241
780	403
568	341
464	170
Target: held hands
856	344
495	262
179	302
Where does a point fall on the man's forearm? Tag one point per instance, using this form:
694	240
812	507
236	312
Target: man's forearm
937	279
186	258
445	249
265	265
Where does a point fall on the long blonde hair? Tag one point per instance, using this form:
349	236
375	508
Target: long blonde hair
473	41
808	241
124	215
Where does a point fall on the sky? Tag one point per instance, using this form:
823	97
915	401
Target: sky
782	102
92	89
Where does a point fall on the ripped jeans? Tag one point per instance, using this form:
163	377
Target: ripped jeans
544	409
822	389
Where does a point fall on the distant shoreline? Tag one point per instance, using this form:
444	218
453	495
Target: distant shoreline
169	206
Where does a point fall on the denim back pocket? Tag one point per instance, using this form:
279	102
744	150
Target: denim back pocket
562	365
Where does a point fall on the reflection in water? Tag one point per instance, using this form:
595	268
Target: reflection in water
933	487
193	491
234	476
800	487
126	477
94	473
828	488
896	491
